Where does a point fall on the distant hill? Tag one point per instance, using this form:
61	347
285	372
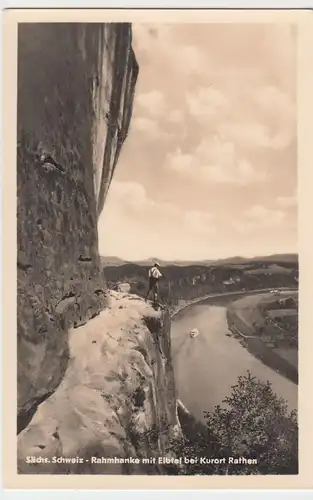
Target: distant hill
277	258
187	282
112	261
288	257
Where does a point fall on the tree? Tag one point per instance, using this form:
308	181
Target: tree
195	442
255	423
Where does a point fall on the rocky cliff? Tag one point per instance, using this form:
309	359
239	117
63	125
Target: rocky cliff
117	399
75	95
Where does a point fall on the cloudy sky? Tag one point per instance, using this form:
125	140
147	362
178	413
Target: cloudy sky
209	166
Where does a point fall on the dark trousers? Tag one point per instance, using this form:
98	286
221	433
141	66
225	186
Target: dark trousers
154	287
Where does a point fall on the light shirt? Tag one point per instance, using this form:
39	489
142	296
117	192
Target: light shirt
154	273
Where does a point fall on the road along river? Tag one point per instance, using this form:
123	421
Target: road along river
206	366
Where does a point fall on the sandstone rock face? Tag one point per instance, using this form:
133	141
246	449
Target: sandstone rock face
117	398
75	94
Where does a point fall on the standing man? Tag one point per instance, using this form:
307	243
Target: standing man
154	276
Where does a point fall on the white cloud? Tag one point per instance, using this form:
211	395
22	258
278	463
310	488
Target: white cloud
149	127
278	110
247	134
261	217
180	162
215	160
161	41
200	222
175	116
152	101
207	103
214	110
129	210
265	216
274	101
287	201
132	196
216	150
241	174
190	59
238	98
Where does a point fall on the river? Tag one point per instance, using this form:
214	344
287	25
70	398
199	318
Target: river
206	366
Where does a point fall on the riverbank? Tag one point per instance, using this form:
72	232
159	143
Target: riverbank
258	348
181	309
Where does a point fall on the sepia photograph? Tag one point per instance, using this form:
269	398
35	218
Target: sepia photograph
157	249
